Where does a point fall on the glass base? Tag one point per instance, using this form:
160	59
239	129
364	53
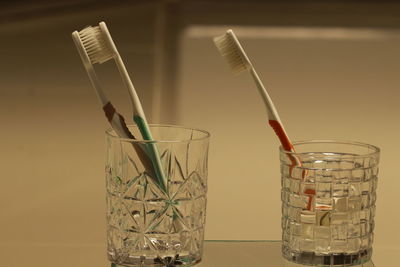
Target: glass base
334	259
146	261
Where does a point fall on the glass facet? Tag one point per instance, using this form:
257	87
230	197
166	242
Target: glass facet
328	202
146	224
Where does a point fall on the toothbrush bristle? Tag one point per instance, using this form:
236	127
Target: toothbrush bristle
95	44
232	52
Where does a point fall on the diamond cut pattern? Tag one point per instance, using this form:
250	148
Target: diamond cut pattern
147	225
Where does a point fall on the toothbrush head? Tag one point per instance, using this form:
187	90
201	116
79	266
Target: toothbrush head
95	44
230	48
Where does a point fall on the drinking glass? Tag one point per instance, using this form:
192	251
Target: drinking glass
328	202
153	221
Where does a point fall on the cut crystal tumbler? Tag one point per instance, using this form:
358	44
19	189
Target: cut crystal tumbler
156	217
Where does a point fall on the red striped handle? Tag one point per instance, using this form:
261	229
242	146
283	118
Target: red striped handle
288	146
280	132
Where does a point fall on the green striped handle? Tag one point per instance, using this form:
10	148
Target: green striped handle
152	151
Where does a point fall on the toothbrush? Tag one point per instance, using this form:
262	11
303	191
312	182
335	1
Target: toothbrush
231	49
88	46
101	48
233	52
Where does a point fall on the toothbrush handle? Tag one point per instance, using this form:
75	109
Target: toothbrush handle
271	110
137	106
152	150
280	132
286	144
117	122
274	120
139	116
140	119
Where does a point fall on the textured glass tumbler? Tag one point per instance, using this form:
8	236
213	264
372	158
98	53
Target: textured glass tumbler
328	202
149	224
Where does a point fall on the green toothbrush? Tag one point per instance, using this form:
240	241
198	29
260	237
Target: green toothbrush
102	49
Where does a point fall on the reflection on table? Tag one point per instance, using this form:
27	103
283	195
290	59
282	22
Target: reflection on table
246	254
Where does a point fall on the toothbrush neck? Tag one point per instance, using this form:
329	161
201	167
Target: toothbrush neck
269	105
137	106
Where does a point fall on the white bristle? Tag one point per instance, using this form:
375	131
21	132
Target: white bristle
231	50
95	45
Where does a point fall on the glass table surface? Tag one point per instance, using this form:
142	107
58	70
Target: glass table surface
218	253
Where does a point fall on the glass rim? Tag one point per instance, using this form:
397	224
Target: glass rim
375	150
111	133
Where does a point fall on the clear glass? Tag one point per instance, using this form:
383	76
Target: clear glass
328	202
149	224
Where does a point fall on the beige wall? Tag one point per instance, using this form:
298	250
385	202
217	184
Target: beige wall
52	185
